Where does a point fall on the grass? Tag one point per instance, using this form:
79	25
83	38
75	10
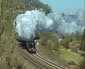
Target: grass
70	56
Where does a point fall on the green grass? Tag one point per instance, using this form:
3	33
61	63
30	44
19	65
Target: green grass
70	56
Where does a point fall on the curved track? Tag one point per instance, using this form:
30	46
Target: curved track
30	58
39	61
55	66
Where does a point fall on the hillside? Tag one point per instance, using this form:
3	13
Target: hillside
9	10
59	48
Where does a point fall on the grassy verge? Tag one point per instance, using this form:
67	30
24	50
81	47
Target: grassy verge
70	56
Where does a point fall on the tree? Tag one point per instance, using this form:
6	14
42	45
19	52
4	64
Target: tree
45	37
49	40
63	14
9	9
56	44
1	30
77	36
73	37
82	45
67	43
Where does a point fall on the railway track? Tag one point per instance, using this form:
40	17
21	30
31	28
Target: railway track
32	60
40	61
55	66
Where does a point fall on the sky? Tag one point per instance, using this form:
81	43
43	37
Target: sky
65	6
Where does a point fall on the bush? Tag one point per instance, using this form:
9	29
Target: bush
49	40
82	64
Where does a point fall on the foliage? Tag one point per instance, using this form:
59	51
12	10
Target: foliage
82	45
77	36
63	14
70	56
9	9
49	40
67	43
72	37
82	64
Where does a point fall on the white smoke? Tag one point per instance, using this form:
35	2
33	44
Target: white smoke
31	22
81	14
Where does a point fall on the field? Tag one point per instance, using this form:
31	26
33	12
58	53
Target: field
70	56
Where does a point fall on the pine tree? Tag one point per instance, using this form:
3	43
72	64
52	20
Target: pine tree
73	37
63	14
82	45
77	36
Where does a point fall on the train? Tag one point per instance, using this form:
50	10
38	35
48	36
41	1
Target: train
30	45
31	48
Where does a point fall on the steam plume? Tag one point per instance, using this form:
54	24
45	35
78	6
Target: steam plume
31	22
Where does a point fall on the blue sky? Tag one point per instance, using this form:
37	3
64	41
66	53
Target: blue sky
66	6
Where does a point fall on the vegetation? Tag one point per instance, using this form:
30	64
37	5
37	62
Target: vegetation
70	56
82	64
67	49
9	9
73	38
82	45
66	45
50	40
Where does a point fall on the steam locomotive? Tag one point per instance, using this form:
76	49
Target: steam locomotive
31	47
28	45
